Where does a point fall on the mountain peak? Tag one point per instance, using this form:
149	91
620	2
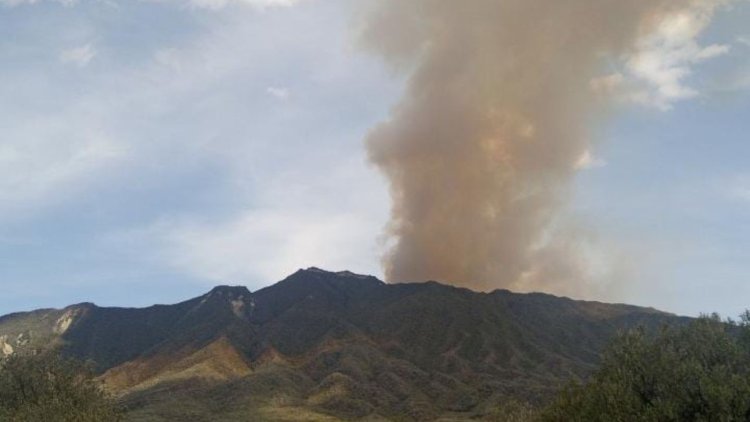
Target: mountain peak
344	273
230	291
315	275
314	270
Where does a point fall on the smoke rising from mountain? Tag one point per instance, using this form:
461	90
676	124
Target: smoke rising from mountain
481	151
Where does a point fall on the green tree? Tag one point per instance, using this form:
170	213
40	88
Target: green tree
697	372
48	388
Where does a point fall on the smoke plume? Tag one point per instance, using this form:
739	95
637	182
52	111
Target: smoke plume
481	150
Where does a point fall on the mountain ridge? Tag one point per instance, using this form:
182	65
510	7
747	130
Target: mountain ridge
333	345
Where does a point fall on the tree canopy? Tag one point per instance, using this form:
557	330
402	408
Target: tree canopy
696	372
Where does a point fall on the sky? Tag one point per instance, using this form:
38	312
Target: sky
150	150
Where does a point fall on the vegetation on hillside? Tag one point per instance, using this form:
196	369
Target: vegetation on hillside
50	388
696	372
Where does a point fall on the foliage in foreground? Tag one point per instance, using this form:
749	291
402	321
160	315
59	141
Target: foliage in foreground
697	372
51	388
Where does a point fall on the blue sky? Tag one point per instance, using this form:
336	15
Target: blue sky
150	150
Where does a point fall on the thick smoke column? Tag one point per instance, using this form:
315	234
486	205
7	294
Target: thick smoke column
481	151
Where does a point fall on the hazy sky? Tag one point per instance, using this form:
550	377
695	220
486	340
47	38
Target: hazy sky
152	149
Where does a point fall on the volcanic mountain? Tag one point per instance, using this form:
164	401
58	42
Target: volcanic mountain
331	346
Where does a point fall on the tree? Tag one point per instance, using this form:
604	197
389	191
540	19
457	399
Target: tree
697	372
50	388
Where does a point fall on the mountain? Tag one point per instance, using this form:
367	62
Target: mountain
325	346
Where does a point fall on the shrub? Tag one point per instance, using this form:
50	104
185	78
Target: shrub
50	388
697	372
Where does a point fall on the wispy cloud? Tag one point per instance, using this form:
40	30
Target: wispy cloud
267	244
56	157
14	3
589	161
298	219
665	58
657	73
278	92
79	56
260	4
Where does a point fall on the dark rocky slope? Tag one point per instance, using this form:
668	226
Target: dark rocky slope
328	346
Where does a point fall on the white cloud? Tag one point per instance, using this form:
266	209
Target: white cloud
79	56
14	3
665	58
656	74
744	41
278	92
299	219
268	244
53	158
588	161
261	4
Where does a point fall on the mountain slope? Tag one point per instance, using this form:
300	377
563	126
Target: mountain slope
321	346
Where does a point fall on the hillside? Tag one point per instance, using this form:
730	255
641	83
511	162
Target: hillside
329	346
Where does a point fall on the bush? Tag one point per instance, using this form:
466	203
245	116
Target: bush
50	388
697	372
